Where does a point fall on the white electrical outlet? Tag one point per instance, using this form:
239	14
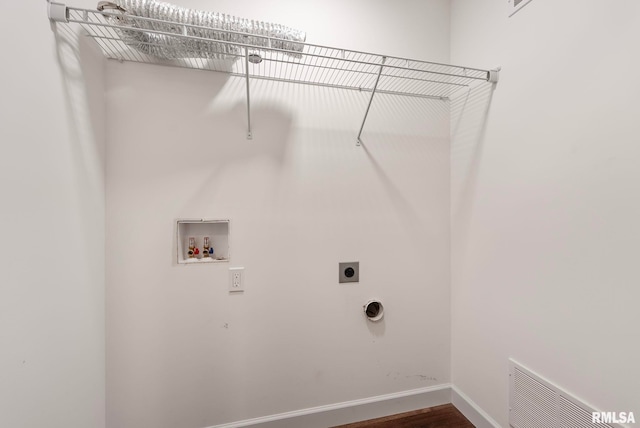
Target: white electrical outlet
236	279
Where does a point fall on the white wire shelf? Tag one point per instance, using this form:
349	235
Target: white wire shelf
233	53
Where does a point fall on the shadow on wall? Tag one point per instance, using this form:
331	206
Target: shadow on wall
179	133
469	118
81	66
226	147
377	328
407	117
419	134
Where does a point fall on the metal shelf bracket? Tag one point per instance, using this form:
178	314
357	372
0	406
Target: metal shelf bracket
246	68
373	92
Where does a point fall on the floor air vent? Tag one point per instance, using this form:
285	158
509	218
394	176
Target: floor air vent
536	403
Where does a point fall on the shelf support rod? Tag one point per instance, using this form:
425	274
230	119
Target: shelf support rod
246	69
373	92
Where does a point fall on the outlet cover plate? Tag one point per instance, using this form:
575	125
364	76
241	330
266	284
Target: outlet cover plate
349	272
236	279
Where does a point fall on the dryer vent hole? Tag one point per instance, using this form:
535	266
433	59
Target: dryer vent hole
373	310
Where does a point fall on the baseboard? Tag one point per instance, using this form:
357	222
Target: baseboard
352	411
372	408
471	410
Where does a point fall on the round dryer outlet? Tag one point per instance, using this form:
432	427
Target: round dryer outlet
374	310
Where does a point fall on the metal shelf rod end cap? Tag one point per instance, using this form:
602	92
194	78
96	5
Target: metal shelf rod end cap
58	12
494	75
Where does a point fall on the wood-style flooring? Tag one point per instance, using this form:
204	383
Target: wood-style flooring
445	416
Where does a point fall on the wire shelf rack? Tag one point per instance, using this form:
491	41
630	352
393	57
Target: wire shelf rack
239	54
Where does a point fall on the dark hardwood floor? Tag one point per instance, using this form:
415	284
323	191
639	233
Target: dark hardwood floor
445	416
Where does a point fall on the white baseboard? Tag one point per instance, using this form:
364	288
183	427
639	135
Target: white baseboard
371	408
471	410
352	411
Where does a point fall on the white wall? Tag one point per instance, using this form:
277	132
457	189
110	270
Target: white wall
301	197
543	187
52	253
545	203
